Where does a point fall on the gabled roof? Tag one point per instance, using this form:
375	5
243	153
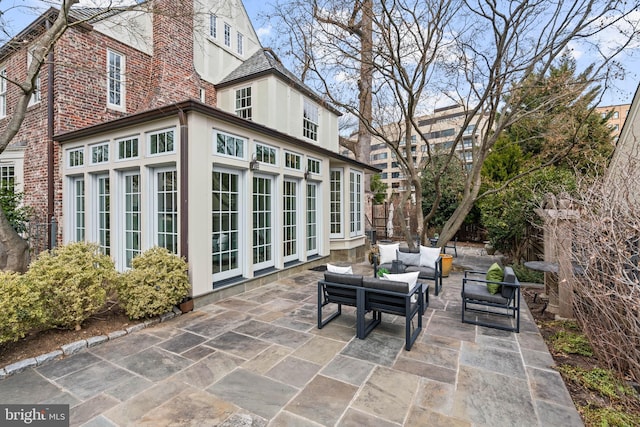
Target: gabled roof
263	62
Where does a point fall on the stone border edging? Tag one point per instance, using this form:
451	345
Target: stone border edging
77	346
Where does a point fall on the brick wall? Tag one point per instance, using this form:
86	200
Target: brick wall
80	94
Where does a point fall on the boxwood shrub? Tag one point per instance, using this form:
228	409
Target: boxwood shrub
157	281
72	283
21	309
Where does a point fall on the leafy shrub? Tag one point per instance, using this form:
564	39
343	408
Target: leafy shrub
157	282
72	282
21	309
525	274
17	214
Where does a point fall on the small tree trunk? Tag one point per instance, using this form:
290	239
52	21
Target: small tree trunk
14	250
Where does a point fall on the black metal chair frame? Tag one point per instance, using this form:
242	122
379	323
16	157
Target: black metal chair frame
511	306
453	246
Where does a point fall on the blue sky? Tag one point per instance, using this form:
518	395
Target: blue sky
18	15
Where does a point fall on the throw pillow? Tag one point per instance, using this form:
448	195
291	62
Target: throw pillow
337	269
388	252
429	256
409	258
494	274
409	278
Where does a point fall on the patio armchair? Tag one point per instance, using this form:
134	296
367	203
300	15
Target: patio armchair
476	297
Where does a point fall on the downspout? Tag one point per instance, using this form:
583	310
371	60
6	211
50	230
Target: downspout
184	185
50	151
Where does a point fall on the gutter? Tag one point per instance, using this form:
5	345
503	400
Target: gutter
50	149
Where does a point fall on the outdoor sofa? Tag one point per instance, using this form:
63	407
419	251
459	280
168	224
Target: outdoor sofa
375	296
425	260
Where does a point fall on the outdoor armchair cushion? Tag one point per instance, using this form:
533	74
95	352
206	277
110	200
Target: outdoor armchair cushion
429	256
387	253
345	279
337	269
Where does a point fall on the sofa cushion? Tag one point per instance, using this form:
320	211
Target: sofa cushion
409	278
429	256
425	272
509	277
338	269
385	285
387	252
409	258
345	279
494	274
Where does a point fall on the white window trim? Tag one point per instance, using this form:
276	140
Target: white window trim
274	224
154	197
318	161
68	157
250	98
297	214
240	43
358	202
100	144
226	34
271	147
3	92
36	96
245	145
121	83
117	148
213	26
341	207
95	214
311	107
318	219
122	217
293	153
157	132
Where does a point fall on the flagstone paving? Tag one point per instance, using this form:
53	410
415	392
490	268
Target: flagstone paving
258	359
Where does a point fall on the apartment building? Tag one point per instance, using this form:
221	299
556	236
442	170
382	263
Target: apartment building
440	130
186	134
619	115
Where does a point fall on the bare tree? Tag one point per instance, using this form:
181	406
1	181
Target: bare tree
14	251
477	53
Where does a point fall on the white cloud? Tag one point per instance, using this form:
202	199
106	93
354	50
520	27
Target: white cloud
263	32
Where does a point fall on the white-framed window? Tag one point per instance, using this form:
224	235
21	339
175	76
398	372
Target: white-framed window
103	210
78	208
115	80
161	142
355	203
132	216
227	35
266	154
99	153
314	166
226	211
75	157
229	145
616	115
7	176
3	92
36	96
336	203
312	218
292	160
166	209
128	148
310	120
240	44
213	25
263	253
290	220
243	102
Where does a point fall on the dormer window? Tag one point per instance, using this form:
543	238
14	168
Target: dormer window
243	103
310	120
